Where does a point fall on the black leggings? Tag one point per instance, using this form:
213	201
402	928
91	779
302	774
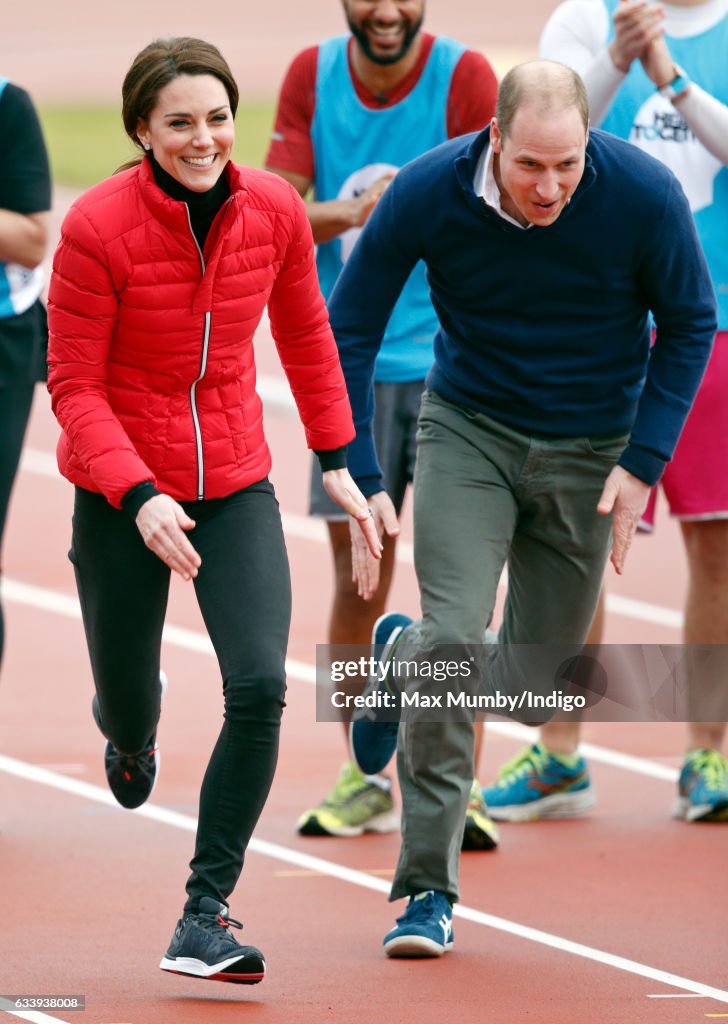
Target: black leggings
244	593
15	403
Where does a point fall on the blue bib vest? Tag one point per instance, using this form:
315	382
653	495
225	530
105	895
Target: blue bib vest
353	147
641	115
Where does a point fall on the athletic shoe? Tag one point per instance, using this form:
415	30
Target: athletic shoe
203	947
703	787
355	805
373	742
537	784
131	777
481	832
425	928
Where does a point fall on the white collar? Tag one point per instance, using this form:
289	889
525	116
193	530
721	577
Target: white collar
486	187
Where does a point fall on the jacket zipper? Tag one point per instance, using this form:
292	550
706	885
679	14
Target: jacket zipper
201	374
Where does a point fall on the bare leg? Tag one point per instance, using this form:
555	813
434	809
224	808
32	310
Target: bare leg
563	737
706	613
352	618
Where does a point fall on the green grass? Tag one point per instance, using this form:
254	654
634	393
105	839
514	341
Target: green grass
87	144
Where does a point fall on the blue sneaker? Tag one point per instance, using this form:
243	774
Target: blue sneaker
537	784
425	928
373	742
703	787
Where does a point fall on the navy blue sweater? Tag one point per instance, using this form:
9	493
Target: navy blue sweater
547	329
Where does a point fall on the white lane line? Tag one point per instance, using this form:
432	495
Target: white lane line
674	995
87	791
177	636
190	640
307	528
34	1016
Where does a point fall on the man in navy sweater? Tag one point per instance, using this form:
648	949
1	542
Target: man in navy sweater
547	417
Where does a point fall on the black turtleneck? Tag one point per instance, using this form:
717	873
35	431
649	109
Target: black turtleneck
203	206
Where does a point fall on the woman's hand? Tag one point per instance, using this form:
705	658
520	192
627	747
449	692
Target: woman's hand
162	522
366	547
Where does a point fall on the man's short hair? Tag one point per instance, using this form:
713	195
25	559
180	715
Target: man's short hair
547	85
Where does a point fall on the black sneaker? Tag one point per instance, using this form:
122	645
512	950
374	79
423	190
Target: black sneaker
203	947
131	777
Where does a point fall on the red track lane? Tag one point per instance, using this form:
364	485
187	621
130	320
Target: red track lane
91	893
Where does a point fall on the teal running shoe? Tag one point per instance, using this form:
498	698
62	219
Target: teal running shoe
538	784
703	787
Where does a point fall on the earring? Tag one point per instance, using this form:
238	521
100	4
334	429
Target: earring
147	146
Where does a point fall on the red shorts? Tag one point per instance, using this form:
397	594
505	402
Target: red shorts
695	483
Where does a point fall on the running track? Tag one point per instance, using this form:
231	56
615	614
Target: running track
617	918
613	919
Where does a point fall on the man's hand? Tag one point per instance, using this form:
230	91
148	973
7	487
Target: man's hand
364	568
363	204
368	548
626	498
637	24
162	522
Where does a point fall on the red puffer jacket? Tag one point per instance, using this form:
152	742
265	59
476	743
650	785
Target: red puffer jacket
151	367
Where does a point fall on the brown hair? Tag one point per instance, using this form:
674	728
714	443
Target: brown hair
160	63
547	85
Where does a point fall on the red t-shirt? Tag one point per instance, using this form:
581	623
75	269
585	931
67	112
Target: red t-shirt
470	103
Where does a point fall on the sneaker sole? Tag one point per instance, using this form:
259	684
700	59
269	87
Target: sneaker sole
388	821
415	946
687	811
217	972
558	805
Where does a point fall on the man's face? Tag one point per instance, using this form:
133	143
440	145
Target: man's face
384	29
539	163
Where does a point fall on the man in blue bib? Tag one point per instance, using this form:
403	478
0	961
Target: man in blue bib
351	112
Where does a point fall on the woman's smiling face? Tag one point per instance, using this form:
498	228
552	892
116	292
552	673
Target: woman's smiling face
191	130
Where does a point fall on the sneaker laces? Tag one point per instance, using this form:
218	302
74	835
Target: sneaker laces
711	765
130	761
213	922
532	759
420	908
350	782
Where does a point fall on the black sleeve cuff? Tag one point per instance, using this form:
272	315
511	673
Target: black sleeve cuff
137	496
332	459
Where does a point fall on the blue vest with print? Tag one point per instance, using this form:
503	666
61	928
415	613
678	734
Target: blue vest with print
353	147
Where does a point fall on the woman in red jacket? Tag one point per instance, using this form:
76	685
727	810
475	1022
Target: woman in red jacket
160	279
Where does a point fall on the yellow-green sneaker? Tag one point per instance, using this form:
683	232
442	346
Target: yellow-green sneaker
481	832
703	787
353	806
